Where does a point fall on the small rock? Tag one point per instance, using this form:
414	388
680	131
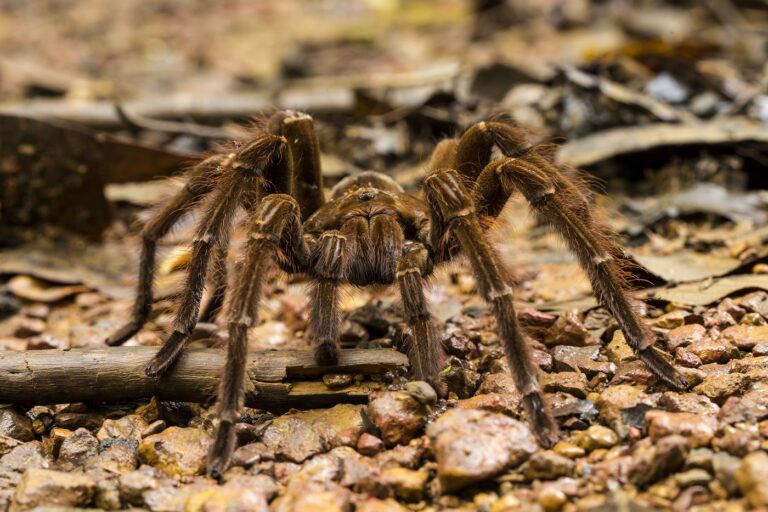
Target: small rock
698	428
493	402
653	461
686	358
670	320
23	457
552	499
407	484
397	415
16	425
127	427
472	445
713	351
337	380
176	451
596	436
745	336
568	382
720	387
369	444
134	484
422	392
47	487
618	350
688	402
615	398
461	346
299	435
548	465
75	420
567	330
725	467
693	477
569	450
76	448
501	383
752	477
117	458
252	453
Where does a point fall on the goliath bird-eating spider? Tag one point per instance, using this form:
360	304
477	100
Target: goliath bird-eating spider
370	232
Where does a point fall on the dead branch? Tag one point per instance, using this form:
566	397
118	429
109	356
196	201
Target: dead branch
117	374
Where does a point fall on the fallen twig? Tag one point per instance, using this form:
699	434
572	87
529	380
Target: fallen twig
117	374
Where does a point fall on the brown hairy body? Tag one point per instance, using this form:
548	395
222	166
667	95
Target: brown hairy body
370	232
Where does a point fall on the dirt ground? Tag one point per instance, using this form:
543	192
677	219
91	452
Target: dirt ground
662	107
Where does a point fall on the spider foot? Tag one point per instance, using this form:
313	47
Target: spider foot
167	355
662	368
123	334
221	452
327	354
540	418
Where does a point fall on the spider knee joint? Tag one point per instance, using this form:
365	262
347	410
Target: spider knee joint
499	294
602	260
541	200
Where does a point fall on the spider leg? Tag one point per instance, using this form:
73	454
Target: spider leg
299	131
262	157
200	183
447	194
219	282
276	223
426	352
555	196
329	258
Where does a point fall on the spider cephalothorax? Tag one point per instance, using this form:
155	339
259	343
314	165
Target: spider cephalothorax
371	232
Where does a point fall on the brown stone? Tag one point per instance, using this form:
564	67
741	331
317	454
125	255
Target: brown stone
473	445
397	415
685	335
176	451
47	487
698	428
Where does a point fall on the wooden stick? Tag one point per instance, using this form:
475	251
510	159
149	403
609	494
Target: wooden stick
117	374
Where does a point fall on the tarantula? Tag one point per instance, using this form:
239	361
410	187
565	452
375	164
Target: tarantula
369	231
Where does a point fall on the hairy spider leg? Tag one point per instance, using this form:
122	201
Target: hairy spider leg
276	226
329	264
298	129
453	203
425	352
551	193
201	181
250	167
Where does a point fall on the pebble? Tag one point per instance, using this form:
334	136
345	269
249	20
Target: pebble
618	350
378	505
746	336
369	444
176	451
134	484
252	453
596	436
572	383
713	351
422	392
473	445
78	447
397	415
670	320
407	484
548	465
685	335
15	425
127	427
552	499
567	330
688	402
299	435
698	428
337	380
719	387
752	478
652	461
493	402
569	450
48	487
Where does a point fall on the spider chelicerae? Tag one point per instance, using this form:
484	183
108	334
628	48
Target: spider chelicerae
370	232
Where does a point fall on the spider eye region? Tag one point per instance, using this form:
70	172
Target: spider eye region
366	194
